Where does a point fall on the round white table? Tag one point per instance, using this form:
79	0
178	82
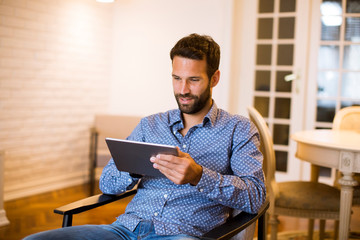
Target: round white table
333	149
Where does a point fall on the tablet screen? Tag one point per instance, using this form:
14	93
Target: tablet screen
134	157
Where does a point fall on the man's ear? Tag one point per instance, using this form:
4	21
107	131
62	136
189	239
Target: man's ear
215	78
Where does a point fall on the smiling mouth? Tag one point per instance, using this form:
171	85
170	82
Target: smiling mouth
185	100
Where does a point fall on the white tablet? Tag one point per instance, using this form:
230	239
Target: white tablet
134	157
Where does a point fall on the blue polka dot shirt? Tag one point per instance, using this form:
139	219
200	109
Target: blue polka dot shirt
225	145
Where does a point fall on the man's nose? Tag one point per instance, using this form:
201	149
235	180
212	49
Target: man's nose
184	87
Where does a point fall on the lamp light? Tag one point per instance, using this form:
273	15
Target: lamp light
105	1
331	13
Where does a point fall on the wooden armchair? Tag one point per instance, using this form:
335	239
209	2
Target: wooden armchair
116	126
229	229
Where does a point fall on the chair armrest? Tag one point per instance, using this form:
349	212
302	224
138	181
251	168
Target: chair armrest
238	223
87	204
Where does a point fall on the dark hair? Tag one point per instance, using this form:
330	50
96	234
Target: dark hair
198	47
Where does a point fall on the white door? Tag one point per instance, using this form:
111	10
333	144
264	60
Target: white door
334	60
304	70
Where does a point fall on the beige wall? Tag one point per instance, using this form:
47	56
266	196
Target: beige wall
61	62
54	76
144	33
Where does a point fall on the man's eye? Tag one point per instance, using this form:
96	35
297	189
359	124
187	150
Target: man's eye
195	79
176	78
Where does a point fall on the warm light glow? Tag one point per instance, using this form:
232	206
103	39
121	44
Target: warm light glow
105	1
331	12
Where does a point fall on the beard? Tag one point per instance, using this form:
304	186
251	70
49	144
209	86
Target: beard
199	101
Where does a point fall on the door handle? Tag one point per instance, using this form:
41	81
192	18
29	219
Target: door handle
294	77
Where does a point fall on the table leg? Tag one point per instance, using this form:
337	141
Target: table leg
314	173
347	183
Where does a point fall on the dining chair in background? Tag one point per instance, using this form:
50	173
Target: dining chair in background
302	199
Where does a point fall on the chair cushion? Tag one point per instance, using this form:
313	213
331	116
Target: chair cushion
308	196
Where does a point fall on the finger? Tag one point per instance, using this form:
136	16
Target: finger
181	154
166	157
178	151
174	168
172	157
175	174
170	173
167	160
166	166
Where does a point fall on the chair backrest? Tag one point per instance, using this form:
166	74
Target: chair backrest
267	149
347	119
113	126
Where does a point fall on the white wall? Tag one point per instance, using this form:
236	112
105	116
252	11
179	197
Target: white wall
55	59
144	33
55	75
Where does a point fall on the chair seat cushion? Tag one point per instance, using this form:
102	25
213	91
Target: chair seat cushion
308	196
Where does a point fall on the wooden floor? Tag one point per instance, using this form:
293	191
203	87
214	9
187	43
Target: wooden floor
33	214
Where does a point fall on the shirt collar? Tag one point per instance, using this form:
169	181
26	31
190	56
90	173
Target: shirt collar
175	116
211	115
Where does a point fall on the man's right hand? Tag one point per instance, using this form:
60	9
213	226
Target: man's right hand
181	169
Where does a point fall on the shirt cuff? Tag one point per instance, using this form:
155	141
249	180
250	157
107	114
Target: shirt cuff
207	181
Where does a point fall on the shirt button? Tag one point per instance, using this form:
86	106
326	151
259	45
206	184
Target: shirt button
155	214
220	200
201	190
165	195
184	146
175	132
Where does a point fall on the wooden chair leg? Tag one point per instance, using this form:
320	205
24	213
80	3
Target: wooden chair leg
311	229
273	221
322	229
262	227
336	229
92	157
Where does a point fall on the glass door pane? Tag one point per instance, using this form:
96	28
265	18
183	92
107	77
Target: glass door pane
274	60
338	82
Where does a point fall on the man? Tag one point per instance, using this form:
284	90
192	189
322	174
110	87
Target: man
218	167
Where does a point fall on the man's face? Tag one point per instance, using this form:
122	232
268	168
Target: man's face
191	84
